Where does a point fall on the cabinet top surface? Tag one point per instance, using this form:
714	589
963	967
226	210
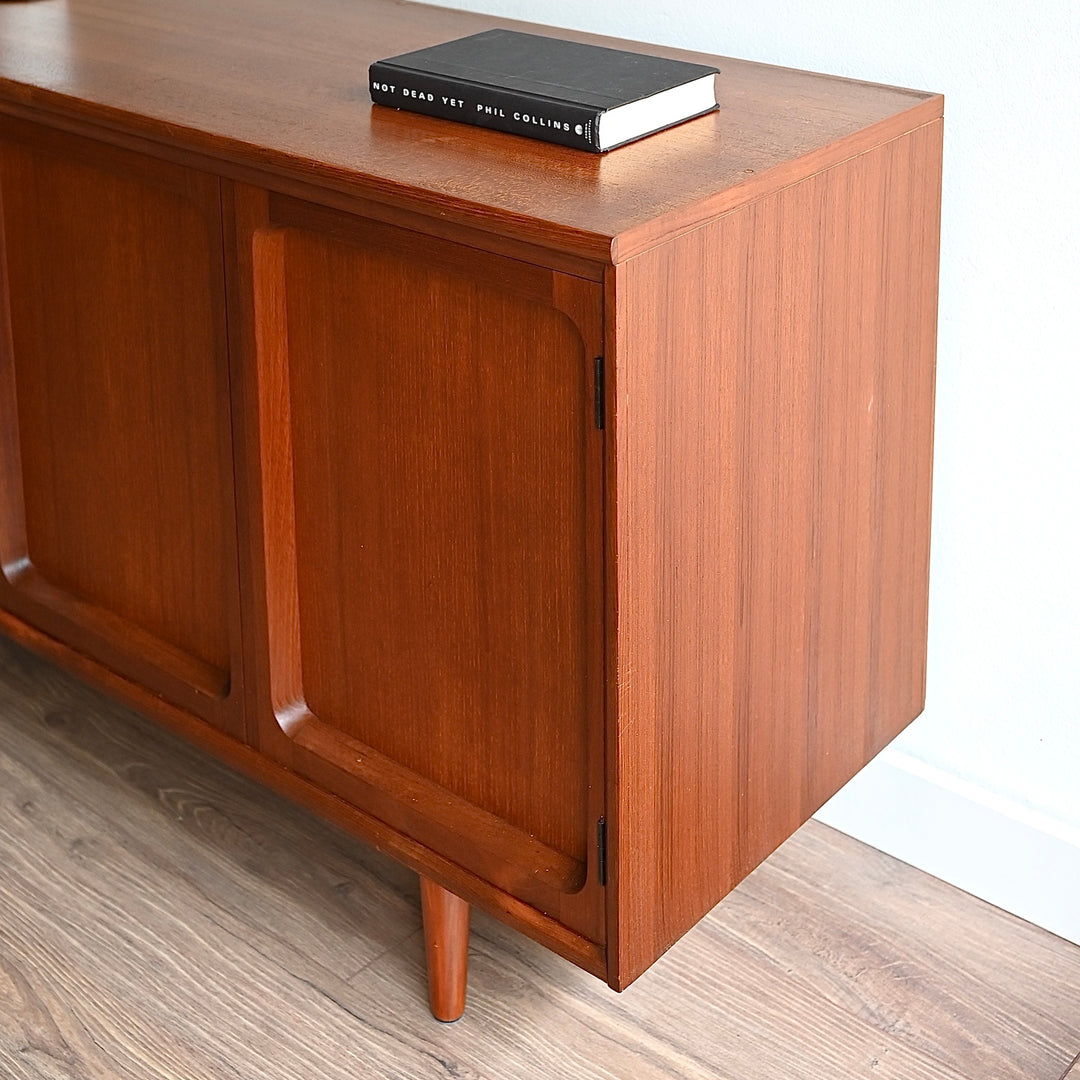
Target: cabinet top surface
282	85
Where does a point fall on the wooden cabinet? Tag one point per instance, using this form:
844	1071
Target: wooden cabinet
557	523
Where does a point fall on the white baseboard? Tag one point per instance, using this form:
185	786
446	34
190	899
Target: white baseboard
1004	853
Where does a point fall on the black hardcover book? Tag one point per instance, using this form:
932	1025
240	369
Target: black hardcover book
584	96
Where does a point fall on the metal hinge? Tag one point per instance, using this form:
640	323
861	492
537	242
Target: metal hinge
598	392
601	850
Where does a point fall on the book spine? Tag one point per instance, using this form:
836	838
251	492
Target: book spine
485	106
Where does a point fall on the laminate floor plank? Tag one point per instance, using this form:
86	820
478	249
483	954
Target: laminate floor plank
162	918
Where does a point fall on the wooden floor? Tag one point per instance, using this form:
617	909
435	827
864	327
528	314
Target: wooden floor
161	917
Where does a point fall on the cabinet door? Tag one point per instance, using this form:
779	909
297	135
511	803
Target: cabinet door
116	530
430	572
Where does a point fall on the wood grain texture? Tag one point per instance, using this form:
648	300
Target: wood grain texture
442	544
262	83
119	532
153	928
773	420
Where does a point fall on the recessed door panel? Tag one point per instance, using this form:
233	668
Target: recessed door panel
118	533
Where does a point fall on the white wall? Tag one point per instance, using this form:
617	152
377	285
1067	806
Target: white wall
1002	722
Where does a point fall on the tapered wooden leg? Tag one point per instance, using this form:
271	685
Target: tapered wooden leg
446	935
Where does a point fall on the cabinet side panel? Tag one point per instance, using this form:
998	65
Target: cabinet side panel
774	431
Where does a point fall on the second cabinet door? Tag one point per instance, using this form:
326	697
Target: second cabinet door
431	534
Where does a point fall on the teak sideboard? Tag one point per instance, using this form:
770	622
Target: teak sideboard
557	523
